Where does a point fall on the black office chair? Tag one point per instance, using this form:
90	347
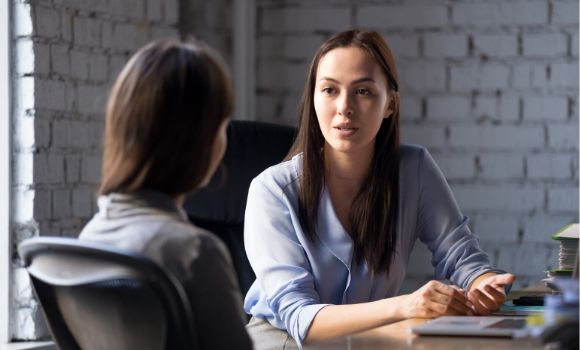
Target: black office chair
97	297
220	207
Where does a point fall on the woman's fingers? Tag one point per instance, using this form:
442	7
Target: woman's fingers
479	300
436	299
485	303
451	300
497	293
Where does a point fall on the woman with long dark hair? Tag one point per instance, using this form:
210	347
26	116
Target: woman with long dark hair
329	231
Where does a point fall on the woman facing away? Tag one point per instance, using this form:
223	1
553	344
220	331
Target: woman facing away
165	134
329	231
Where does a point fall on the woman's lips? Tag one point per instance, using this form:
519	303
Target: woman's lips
345	131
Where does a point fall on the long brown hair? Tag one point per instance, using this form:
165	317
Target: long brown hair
374	210
163	115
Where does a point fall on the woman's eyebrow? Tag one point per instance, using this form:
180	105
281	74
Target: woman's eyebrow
359	80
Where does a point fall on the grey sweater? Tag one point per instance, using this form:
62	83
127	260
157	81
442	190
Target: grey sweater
150	223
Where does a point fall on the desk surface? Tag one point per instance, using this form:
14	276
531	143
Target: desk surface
397	336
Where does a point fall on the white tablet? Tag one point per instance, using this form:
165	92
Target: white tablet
490	326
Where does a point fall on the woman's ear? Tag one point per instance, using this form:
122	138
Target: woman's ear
388	108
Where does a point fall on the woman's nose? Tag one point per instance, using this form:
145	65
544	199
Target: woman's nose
345	105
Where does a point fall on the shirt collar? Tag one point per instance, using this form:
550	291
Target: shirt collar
331	232
119	204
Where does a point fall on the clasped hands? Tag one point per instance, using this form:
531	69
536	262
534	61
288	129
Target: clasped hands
484	296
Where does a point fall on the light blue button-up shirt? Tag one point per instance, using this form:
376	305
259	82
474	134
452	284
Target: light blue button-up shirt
296	277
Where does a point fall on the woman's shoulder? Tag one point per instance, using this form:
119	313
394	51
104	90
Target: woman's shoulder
182	234
187	244
283	175
412	152
415	159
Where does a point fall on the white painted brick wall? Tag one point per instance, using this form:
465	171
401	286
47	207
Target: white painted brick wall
290	105
560	201
529	259
411	107
504	138
47	22
486	107
565	12
497	228
430	136
499	199
564	74
456	167
419	76
171	12
448	107
493	77
86	32
52	93
544	45
60	59
128	8
91	99
562	137
301	47
271	73
68	54
540	228
403	45
501	166
549	108
548	166
401	16
509	108
496	45
445	45
527	75
305	19
473	76
493	14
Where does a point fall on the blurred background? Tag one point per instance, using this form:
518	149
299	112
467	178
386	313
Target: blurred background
489	86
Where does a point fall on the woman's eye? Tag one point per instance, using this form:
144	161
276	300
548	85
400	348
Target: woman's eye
362	91
328	90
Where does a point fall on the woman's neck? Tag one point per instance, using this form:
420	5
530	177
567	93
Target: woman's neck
347	168
179	199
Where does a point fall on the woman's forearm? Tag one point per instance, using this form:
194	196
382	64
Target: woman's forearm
339	320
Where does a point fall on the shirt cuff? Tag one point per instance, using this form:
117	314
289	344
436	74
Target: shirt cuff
475	275
307	314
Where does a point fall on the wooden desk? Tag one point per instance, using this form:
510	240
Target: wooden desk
397	336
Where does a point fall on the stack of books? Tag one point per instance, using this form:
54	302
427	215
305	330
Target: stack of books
568	255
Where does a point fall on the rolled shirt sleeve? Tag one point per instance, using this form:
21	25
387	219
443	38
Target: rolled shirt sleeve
285	291
457	255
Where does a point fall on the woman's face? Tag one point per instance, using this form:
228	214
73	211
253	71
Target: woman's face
350	99
218	150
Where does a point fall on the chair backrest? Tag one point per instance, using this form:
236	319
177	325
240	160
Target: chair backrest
219	207
95	296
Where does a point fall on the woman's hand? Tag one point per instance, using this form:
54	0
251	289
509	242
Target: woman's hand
487	292
435	299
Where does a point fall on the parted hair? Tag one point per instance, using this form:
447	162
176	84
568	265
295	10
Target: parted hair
162	117
374	210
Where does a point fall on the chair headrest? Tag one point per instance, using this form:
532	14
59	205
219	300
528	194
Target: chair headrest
252	147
